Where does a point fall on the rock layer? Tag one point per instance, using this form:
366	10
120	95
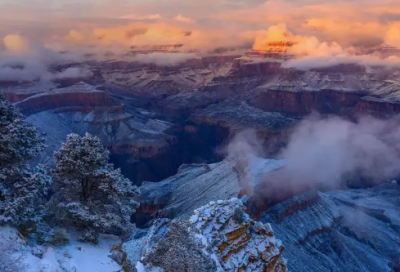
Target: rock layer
219	237
330	231
238	242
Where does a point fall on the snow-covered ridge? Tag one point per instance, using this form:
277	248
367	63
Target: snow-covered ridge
257	168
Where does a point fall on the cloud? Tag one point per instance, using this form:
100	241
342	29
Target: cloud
127	35
16	44
69	73
274	33
31	68
24	61
307	52
392	36
299	45
25	71
141	17
144	35
322	29
184	19
313	62
244	143
325	153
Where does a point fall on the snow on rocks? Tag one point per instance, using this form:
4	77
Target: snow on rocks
259	167
218	237
238	242
171	246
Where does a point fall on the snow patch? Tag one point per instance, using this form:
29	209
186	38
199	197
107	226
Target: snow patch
74	257
259	167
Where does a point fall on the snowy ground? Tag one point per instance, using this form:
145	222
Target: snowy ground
259	167
74	257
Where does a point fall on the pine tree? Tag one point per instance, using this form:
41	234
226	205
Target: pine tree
21	189
25	198
90	194
19	141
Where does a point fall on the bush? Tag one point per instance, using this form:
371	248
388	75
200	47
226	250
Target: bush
59	238
52	236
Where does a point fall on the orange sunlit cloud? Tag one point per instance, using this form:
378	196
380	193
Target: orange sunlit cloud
316	28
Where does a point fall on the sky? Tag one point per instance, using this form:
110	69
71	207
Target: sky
341	21
327	30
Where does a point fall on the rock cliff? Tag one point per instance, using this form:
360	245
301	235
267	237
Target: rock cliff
80	95
330	231
219	237
193	186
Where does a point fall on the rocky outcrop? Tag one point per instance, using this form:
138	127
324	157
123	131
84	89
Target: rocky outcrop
330	231
155	81
18	91
304	102
238	242
378	107
16	97
249	68
224	120
139	143
172	246
193	186
198	184
219	237
80	96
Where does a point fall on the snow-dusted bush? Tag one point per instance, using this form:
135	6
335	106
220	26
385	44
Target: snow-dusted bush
90	194
50	235
21	188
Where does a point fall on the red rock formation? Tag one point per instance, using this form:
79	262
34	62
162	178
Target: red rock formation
53	100
343	69
304	102
16	97
239	243
378	107
244	68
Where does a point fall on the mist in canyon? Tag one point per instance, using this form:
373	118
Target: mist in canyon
325	153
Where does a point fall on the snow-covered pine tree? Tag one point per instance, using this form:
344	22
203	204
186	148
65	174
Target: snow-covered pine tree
90	194
19	141
21	189
26	198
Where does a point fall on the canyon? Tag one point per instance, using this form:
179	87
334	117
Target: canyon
167	128
158	117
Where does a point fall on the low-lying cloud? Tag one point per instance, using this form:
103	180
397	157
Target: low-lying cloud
328	153
24	61
324	151
322	31
307	52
